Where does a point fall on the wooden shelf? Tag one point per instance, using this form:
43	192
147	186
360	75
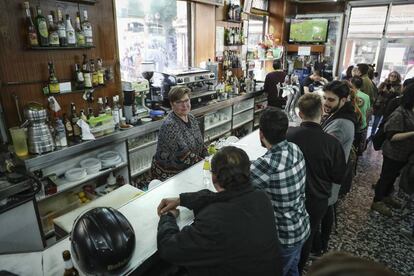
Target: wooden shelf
314	48
74	91
37	48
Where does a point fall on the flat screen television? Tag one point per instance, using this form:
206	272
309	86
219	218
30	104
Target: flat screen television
308	30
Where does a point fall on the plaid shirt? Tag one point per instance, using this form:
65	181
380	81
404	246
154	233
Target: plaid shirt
281	172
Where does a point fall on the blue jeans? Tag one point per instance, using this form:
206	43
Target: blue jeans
290	259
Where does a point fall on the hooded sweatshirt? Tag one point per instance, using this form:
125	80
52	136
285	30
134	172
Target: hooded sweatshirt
342	125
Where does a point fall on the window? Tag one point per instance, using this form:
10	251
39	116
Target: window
260	4
151	31
401	23
256	33
367	22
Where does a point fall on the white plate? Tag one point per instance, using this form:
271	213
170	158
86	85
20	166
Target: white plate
75	174
108	155
90	163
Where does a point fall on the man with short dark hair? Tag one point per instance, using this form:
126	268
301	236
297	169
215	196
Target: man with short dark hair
325	163
367	84
272	85
313	81
281	172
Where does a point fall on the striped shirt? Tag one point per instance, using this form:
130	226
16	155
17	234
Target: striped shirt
281	172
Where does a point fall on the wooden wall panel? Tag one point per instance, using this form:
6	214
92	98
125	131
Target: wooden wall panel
18	64
277	10
204	32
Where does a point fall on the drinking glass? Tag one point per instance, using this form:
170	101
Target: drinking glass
19	139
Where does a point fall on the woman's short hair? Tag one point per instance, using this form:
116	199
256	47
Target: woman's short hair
231	166
177	93
407	99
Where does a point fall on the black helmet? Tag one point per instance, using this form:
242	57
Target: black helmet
102	241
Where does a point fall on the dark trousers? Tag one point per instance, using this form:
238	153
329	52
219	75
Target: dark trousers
321	238
389	173
316	209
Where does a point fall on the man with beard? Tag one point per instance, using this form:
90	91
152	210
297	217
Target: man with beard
281	172
340	123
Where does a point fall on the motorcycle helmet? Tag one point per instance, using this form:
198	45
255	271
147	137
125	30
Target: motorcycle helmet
102	241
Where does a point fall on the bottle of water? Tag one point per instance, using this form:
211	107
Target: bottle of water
207	173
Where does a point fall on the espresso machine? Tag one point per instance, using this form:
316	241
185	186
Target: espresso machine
202	83
135	94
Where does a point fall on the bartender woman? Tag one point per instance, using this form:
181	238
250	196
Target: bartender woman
180	143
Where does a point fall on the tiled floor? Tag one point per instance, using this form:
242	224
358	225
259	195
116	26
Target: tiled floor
367	234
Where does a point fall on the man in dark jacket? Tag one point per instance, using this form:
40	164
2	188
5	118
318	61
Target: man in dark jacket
234	230
272	86
325	163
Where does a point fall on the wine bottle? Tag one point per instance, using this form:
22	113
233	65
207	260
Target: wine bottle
80	36
94	73
41	25
87	29
53	81
70	32
86	73
79	80
31	28
101	79
53	32
63	41
74	119
70	270
68	127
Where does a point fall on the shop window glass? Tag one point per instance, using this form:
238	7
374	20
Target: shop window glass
361	51
256	33
367	22
401	23
260	4
151	31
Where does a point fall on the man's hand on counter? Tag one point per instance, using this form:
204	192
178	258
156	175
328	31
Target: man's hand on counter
168	204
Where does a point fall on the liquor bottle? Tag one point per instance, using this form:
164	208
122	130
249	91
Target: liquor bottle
86	73
53	32
31	28
41	25
70	32
230	12
101	106
53	81
60	133
90	113
82	115
101	73
70	270
87	29
80	36
68	127
94	73
108	109
79	80
74	119
116	112
63	41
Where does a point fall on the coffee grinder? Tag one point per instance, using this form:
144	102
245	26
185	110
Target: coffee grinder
141	88
156	98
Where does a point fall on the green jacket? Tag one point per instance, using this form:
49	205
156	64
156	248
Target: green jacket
368	88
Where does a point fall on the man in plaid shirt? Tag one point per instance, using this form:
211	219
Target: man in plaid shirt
281	172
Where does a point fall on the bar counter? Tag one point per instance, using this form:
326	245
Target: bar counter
141	213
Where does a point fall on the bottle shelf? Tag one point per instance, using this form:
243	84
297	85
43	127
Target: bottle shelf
261	59
75	91
61	48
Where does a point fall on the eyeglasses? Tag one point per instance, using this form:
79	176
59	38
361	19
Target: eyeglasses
183	102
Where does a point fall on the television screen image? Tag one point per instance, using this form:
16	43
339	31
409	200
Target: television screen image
308	30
